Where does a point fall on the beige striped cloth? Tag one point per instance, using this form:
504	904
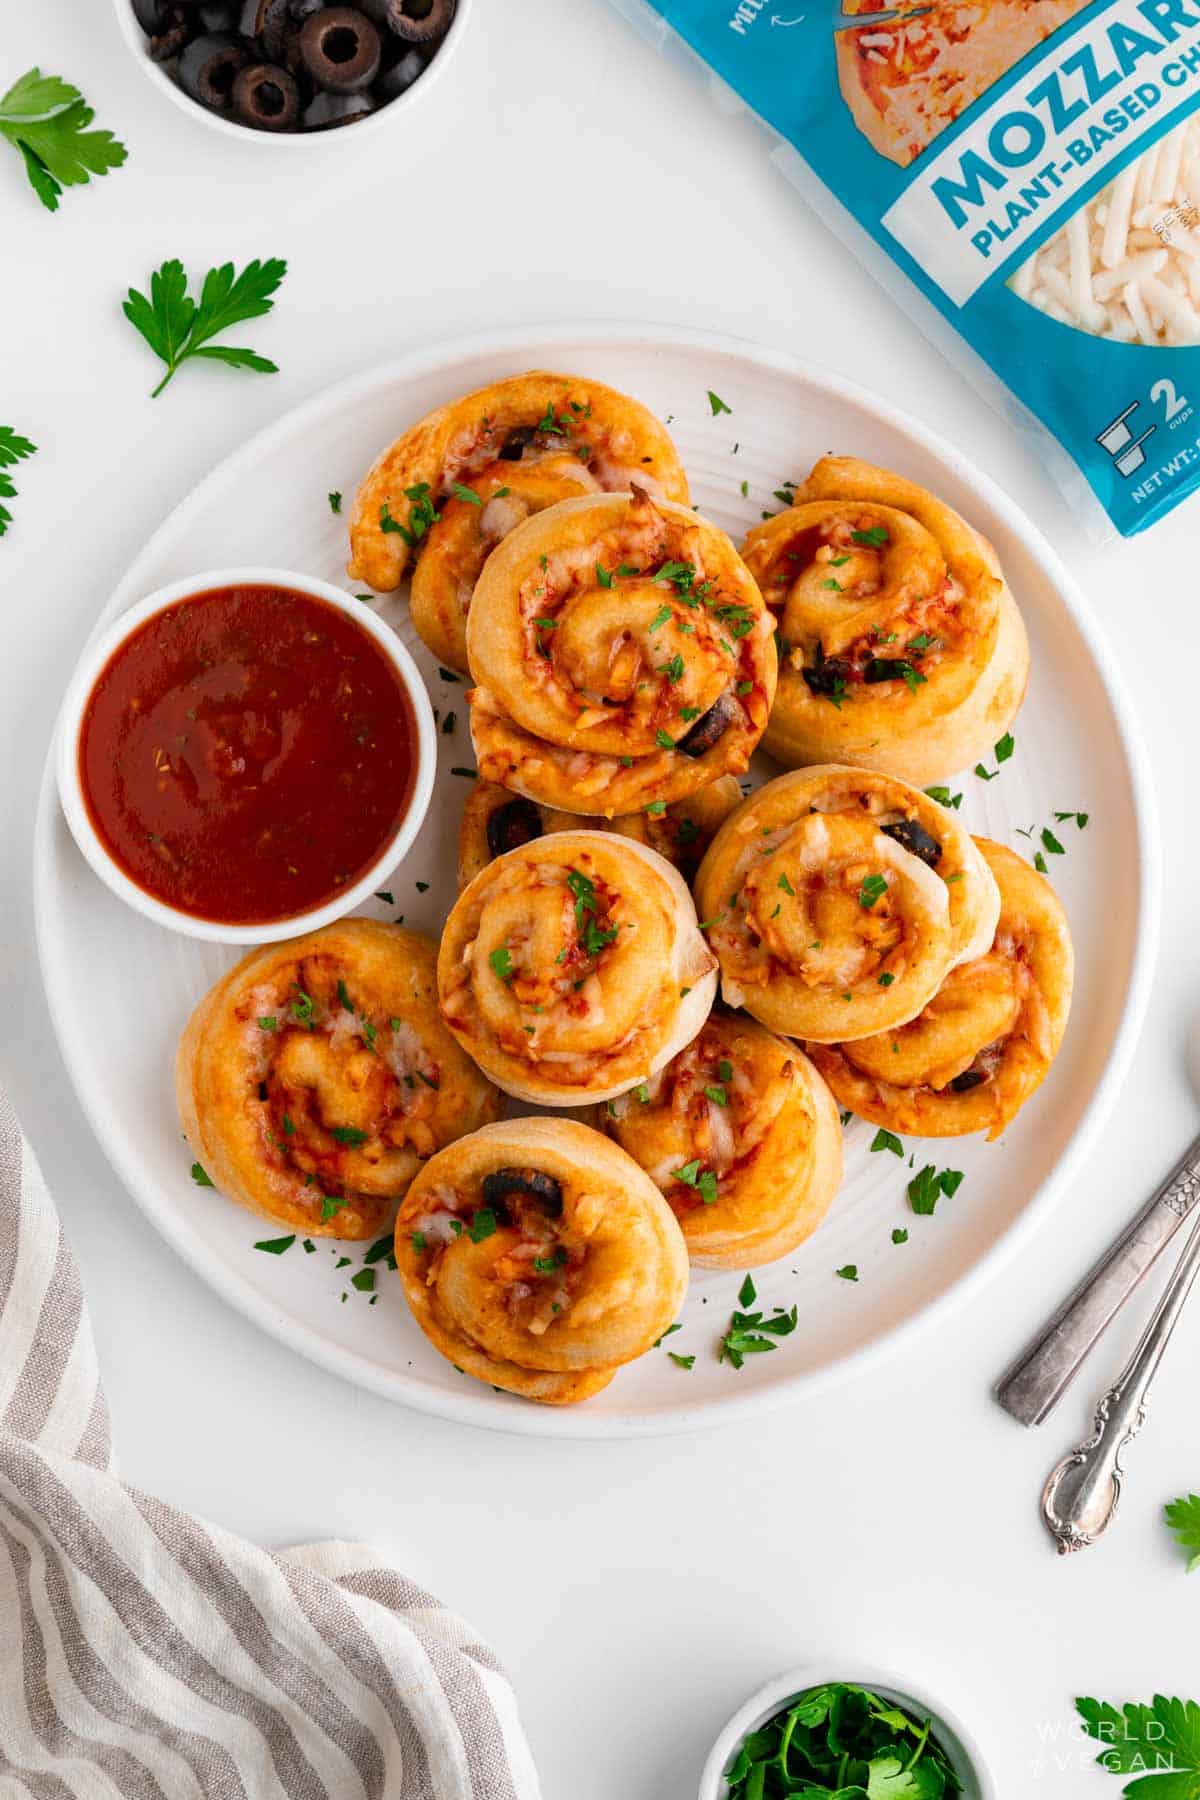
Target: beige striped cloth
146	1655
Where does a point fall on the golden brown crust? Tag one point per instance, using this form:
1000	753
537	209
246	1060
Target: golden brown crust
544	1291
623	656
868	570
682	833
316	1076
619	438
742	1136
838	900
572	968
993	1028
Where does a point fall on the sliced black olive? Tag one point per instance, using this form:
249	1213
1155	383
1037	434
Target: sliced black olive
266	97
709	729
970	1078
515	442
915	839
266	21
327	110
341	49
823	677
304	9
420	21
208	68
515	823
218	15
543	1189
154	16
887	668
170	42
398	79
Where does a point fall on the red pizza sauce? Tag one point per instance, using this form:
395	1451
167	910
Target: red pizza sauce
247	753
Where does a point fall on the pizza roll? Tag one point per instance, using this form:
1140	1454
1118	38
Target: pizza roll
622	654
445	493
494	821
985	1041
572	968
838	901
742	1136
315	1078
538	1257
900	646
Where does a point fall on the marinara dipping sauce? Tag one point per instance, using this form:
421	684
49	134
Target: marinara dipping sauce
246	753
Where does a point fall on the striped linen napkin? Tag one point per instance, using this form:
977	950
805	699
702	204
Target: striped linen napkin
146	1655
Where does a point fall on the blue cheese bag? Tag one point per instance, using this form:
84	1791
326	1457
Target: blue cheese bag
1033	168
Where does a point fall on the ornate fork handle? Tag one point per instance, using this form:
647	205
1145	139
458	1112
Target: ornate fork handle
1081	1496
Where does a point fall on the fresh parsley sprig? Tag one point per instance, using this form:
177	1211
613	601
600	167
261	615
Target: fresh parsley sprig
13	449
1183	1517
176	327
1160	1743
840	1742
47	120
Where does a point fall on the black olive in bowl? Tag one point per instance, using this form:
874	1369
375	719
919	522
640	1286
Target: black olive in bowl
208	68
341	49
267	97
327	110
420	21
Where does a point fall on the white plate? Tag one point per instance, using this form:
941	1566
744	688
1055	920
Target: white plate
120	989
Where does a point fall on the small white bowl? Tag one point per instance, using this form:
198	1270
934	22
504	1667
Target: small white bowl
966	1758
70	786
288	141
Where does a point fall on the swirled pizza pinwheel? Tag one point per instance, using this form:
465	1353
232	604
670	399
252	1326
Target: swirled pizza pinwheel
986	1040
622	654
573	967
900	645
742	1136
495	821
315	1078
838	900
538	1257
445	494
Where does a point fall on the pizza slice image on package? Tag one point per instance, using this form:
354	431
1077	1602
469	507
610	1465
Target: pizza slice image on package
1033	168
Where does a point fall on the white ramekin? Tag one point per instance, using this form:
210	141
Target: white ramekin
960	1745
70	786
290	141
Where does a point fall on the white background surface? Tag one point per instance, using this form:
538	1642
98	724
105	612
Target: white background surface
637	1590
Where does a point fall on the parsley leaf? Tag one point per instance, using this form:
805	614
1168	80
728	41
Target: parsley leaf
929	1184
201	1176
887	1140
874	538
47	120
1152	1741
1183	1517
717	404
176	327
1004	748
12	450
501	964
276	1246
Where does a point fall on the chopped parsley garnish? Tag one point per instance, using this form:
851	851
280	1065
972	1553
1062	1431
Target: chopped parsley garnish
725	1069
417	1240
887	1140
899	1235
387	898
875	537
335	503
483	1225
1004	748
660	618
717	404
331	1206
468	494
944	797
873	888
1040	864
268	1023
276	1246
448	724
704	1181
717	1094
382	1247
929	1184
344	996
1051	843
831	581
657	808
681	575
468	774
1080	819
744	687
428	1080
786	885
682	1362
985	774
303	1007
752	1333
501	964
345	1134
201	1176
848	1272
664	740
642	1092
604	576
547	1265
886	979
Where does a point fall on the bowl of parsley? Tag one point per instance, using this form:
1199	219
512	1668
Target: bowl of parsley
847	1733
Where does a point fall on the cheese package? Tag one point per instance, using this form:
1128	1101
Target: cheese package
1031	168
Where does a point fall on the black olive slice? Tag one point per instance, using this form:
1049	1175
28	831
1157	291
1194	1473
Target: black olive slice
516	442
970	1078
266	97
916	840
154	16
266	21
218	15
420	21
208	68
712	726
341	49
515	823
543	1189
823	677
300	10
327	110
170	42
397	80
